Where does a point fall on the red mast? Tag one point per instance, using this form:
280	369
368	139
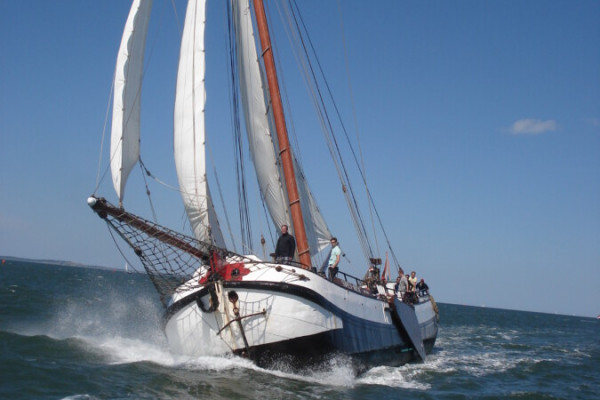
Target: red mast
282	135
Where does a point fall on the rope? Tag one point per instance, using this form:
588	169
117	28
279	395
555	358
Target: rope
245	225
331	139
221	197
355	118
360	165
110	231
98	179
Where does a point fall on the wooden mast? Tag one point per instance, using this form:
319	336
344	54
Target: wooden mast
284	144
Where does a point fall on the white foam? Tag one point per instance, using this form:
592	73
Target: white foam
405	377
336	372
79	397
120	350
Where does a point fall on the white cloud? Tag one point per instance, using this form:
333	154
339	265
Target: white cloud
595	122
530	126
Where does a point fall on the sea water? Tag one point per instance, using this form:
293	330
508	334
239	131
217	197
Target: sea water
84	333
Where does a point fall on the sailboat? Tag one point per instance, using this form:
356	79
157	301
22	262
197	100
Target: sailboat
219	301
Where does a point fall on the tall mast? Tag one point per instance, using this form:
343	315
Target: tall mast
282	135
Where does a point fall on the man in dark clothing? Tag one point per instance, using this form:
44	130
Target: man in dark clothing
286	246
422	288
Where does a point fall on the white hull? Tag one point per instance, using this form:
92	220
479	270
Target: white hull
282	308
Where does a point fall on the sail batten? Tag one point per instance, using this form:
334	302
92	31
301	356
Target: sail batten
125	130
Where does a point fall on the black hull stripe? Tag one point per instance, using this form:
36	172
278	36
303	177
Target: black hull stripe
280	287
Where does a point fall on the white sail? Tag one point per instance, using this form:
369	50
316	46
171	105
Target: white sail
125	133
189	127
260	141
317	232
263	146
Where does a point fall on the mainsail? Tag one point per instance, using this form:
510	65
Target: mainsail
263	146
125	134
189	127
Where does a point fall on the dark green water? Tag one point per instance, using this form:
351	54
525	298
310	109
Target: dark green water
76	333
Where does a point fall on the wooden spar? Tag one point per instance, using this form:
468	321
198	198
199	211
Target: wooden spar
282	135
103	208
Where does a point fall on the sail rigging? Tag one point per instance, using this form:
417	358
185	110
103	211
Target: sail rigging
289	203
218	302
264	146
321	95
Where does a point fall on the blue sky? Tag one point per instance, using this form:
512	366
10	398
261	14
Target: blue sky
479	124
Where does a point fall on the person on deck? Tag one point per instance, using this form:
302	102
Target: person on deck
286	246
412	280
334	259
401	287
422	288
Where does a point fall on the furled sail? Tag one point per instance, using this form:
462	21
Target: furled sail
263	146
125	133
189	127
